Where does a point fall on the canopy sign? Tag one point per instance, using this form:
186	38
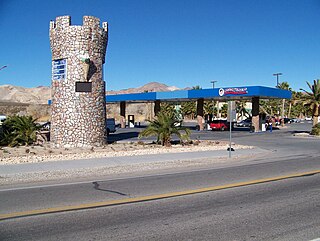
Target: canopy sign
233	91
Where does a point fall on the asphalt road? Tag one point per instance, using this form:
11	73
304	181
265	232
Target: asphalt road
282	210
40	197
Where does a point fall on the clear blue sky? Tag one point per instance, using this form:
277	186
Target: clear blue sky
176	42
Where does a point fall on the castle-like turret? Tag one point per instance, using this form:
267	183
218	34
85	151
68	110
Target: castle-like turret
78	89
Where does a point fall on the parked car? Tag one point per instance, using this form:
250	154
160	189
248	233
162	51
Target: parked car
219	125
46	126
111	126
287	120
296	120
245	123
308	119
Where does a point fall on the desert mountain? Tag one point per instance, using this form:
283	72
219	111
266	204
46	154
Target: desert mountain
41	94
150	87
38	95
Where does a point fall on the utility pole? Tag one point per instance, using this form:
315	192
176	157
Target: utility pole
282	112
277	74
213	81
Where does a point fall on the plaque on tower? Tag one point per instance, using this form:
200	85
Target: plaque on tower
83	86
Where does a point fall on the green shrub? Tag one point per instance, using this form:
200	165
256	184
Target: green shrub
164	126
316	130
19	130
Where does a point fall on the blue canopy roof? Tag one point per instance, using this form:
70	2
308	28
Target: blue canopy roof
229	93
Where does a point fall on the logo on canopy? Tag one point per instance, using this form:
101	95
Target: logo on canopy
233	91
221	92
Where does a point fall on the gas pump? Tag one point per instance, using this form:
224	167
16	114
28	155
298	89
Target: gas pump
262	121
131	121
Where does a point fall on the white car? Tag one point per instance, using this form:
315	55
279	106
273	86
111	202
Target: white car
308	119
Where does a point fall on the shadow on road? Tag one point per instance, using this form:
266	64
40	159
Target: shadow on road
97	187
121	136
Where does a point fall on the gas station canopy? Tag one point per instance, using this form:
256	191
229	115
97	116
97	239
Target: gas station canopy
221	94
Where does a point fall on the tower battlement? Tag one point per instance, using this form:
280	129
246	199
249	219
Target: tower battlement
66	39
88	21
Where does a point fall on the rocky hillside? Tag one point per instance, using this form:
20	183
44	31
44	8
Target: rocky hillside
41	94
16	94
150	87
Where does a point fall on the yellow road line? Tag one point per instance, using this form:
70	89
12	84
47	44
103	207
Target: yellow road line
149	198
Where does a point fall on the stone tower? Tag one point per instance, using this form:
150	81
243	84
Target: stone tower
78	89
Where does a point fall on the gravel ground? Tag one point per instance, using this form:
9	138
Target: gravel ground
36	154
40	154
95	173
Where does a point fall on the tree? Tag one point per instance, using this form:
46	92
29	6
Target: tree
283	86
209	107
296	108
167	107
224	110
312	99
164	126
269	107
189	108
19	130
197	87
241	109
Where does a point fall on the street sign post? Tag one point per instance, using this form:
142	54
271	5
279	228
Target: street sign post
232	117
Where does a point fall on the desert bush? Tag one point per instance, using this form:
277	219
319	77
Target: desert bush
19	130
316	130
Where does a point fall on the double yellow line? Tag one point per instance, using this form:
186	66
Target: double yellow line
149	198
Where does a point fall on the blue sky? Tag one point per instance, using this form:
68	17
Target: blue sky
182	43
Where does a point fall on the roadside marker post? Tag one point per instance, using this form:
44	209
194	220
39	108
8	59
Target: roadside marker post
232	115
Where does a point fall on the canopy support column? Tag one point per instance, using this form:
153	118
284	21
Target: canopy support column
255	114
123	114
157	107
200	103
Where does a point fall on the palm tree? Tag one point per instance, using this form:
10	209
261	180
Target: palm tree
209	107
19	130
164	126
241	109
197	87
167	107
295	105
284	86
189	108
312	99
224	110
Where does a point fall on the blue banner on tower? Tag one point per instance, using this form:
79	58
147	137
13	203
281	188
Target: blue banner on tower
59	68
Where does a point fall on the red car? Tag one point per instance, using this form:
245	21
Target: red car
219	125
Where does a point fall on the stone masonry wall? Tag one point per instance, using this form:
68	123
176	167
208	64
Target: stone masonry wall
78	118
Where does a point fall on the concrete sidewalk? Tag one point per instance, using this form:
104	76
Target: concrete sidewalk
123	160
